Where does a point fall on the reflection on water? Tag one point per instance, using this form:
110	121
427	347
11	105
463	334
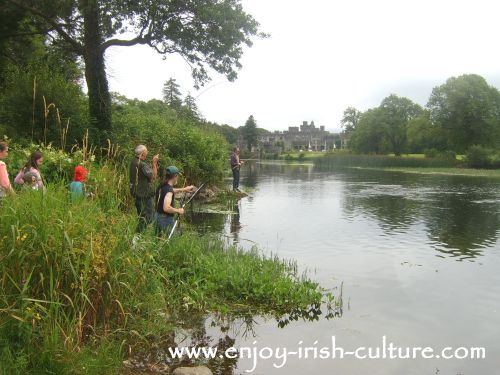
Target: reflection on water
221	332
457	219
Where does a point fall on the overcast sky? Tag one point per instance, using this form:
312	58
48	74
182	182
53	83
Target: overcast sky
325	55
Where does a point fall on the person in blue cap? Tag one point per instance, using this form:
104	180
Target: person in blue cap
165	201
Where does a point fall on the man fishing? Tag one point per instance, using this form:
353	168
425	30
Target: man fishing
165	201
236	164
142	176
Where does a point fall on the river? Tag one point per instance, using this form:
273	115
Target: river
417	258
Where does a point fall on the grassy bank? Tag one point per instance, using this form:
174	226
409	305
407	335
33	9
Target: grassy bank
417	164
301	156
495	173
77	296
336	160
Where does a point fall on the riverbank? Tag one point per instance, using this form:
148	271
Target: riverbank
495	173
416	164
80	295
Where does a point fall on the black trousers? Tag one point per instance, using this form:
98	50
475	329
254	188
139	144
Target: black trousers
236	178
144	207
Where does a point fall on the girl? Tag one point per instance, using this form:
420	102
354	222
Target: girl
5	186
33	167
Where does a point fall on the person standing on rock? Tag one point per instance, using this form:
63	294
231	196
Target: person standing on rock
142	176
235	168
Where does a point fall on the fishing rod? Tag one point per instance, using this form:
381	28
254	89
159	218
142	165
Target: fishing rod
184	205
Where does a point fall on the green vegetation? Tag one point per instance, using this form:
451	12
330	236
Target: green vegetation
461	116
470	172
77	295
249	132
201	151
300	156
482	157
336	160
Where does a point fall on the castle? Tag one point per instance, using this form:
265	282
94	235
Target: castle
306	137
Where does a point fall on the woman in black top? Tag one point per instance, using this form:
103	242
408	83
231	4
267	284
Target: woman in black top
165	201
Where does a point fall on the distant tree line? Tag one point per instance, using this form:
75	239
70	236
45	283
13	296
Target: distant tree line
462	113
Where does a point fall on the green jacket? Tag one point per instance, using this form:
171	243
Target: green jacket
141	179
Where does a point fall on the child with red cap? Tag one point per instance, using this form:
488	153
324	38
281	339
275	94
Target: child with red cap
77	187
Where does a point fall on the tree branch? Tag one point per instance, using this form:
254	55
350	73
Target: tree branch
139	39
124	43
57	27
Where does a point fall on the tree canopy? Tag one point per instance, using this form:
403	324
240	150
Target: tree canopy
350	119
461	113
467	111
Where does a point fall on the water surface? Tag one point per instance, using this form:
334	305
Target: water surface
418	256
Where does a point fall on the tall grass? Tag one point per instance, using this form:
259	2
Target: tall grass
339	160
76	294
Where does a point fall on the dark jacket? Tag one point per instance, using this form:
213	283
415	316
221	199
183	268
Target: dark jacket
235	161
141	179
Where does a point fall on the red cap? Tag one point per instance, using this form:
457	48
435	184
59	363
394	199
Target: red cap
80	174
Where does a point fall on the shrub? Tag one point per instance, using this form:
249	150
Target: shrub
201	153
481	157
57	166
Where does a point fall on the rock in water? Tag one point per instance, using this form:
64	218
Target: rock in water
200	370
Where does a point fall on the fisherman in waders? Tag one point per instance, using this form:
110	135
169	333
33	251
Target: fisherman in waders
235	167
165	201
142	176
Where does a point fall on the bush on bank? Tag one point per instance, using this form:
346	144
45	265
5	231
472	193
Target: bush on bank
483	157
203	154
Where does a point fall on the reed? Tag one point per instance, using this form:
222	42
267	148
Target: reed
46	112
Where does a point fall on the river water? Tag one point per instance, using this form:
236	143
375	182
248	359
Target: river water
416	257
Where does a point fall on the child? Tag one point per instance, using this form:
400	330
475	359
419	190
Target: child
33	168
77	187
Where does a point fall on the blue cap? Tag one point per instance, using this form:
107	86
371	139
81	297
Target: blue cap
172	170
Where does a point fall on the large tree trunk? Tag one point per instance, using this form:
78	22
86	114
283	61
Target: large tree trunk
95	70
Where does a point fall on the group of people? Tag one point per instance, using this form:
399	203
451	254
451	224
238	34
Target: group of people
158	205
30	176
152	204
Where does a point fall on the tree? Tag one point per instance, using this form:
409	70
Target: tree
206	33
172	94
467	110
191	108
398	111
368	137
385	128
249	132
350	119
